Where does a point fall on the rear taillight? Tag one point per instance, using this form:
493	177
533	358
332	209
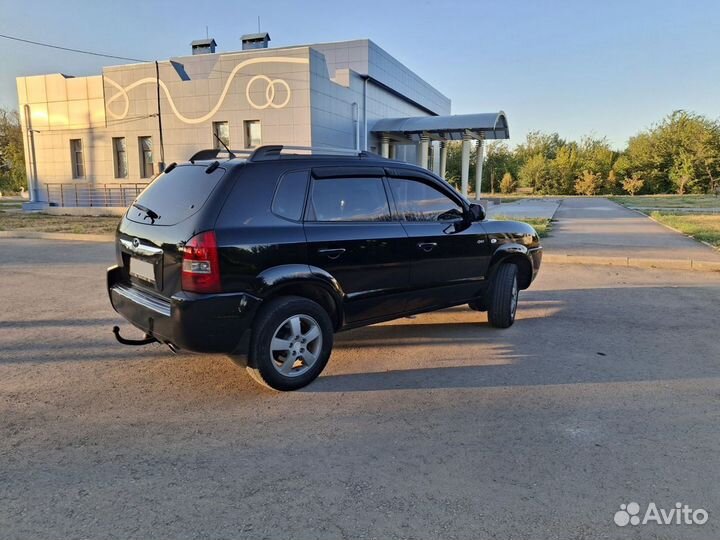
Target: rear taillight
201	264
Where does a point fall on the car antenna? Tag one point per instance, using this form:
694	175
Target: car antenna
232	156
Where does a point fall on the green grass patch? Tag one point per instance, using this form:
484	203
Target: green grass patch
669	201
541	225
15	221
705	227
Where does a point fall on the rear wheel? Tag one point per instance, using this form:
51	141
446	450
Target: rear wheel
503	299
291	343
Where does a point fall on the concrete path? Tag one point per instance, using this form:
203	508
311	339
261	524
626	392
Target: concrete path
599	227
527	208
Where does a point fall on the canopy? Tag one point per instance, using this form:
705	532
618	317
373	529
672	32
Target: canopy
444	128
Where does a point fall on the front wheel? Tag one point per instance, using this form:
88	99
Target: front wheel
503	299
291	343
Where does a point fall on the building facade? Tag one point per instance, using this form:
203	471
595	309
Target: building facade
121	128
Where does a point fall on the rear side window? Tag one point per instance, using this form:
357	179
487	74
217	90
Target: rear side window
348	199
289	197
175	196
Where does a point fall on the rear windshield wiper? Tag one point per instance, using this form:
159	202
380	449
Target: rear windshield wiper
149	213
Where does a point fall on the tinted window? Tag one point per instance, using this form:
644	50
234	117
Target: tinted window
349	199
176	195
417	201
290	195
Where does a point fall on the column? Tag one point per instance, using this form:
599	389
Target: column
443	159
423	152
465	162
479	168
436	157
385	146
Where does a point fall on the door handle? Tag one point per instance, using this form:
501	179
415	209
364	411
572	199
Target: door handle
332	253
427	247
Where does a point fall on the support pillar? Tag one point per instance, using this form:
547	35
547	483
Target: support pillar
385	146
436	157
465	165
443	159
479	168
423	152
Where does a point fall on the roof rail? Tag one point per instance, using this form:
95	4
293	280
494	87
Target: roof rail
273	151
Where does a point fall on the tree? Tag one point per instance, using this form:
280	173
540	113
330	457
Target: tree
499	159
535	172
565	168
508	183
633	184
12	157
588	183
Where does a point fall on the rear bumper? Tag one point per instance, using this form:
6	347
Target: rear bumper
218	323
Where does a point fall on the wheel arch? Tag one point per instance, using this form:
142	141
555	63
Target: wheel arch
515	254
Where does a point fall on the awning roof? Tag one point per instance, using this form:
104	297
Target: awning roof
443	128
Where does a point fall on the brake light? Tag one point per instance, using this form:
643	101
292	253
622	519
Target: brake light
201	264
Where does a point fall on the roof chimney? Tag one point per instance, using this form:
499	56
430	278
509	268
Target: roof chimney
203	46
255	41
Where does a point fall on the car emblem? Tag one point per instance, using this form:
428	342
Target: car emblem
136	243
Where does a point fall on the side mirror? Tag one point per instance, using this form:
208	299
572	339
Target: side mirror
477	212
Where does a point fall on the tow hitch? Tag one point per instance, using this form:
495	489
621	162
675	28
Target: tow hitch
145	341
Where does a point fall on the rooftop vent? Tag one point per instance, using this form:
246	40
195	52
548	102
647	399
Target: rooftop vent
255	41
203	46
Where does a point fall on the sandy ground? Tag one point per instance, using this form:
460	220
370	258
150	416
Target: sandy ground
605	391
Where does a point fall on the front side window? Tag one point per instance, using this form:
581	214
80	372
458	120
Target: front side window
120	157
222	132
253	133
348	199
76	156
417	201
146	157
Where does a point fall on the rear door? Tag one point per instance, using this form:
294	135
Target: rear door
449	256
165	215
351	235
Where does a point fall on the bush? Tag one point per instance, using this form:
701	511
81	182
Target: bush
589	183
508	183
633	184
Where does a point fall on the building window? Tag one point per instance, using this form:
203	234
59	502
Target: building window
253	133
146	157
120	157
221	130
76	155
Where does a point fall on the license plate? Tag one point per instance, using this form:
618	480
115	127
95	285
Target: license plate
142	270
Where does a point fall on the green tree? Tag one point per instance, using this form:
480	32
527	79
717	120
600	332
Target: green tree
535	173
633	184
499	160
12	157
565	168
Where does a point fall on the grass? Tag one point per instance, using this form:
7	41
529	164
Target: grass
705	227
14	221
669	201
541	225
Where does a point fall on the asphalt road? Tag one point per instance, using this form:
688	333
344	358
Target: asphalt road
599	227
605	391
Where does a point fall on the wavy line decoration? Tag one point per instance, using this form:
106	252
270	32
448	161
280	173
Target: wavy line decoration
270	90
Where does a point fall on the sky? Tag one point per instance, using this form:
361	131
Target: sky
584	67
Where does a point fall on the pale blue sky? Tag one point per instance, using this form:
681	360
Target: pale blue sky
577	67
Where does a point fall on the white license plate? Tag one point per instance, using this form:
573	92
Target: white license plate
142	269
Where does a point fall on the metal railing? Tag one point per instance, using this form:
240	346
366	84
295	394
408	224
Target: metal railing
84	194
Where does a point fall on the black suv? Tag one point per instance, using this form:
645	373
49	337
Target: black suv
264	258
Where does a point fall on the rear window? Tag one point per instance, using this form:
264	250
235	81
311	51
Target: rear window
175	196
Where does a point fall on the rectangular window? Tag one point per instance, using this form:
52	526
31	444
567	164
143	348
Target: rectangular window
253	133
221	130
120	157
146	157
76	156
349	199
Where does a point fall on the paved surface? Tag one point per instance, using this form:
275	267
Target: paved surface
597	226
605	391
526	208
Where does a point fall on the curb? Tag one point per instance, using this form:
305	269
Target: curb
37	235
633	262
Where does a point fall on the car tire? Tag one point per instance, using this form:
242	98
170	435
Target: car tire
287	333
502	303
